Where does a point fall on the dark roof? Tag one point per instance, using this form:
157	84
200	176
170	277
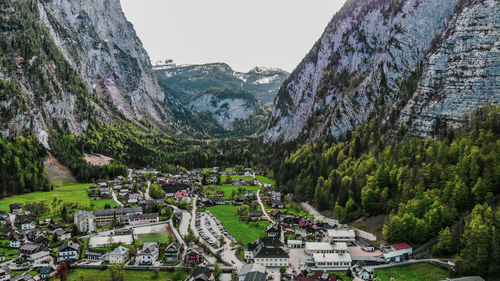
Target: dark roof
255	213
266	252
143	216
271	241
120	211
256	276
29	247
202	273
69	244
46	270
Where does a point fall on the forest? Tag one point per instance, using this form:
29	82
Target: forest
425	185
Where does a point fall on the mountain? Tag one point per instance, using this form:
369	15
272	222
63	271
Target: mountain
185	82
417	63
67	63
231	108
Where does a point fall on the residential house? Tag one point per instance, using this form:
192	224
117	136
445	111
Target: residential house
38	258
201	274
194	256
84	221
94	254
219	193
45	272
173	252
68	251
362	272
275	214
342	235
25	222
29	248
273	230
239	200
118	255
4	218
255	215
16	240
277	204
16	208
5	273
249	269
62	234
275	195
38	236
133	198
332	261
23	277
181	194
149	253
248	193
219	201
399	252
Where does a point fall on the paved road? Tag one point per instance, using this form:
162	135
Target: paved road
146	195
116	199
317	215
263	208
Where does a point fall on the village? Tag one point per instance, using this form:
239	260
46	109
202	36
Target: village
205	224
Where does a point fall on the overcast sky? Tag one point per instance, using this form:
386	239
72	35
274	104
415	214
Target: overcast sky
242	33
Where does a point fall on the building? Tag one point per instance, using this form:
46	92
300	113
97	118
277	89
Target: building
362	272
295	244
5	273
94	254
201	274
194	256
325	248
84	221
106	216
68	251
273	230
45	271
255	215
16	208
399	252
62	234
249	270
118	255
272	257
39	258
105	241
332	261
29	248
255	276
16	240
342	235
149	253
173	252
25	222
135	219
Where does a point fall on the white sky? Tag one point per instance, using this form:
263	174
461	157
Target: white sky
242	33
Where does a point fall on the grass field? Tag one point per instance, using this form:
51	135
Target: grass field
265	180
69	193
228	189
236	178
244	232
161	237
417	272
129	275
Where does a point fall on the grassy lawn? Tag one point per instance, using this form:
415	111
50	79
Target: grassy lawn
291	211
228	189
265	180
342	275
236	178
69	193
373	225
244	232
130	275
417	272
161	237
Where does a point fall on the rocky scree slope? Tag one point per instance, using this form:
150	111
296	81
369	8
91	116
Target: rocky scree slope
410	61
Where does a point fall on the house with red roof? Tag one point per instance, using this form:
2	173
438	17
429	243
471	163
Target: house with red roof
181	194
398	253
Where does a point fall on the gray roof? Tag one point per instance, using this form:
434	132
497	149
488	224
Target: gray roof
119	251
256	276
253	267
120	211
69	244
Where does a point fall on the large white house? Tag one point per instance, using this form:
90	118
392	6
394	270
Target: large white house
68	251
119	255
342	235
39	258
332	261
272	257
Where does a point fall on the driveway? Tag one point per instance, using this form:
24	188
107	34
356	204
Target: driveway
120	204
263	208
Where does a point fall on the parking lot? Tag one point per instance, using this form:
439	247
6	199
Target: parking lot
210	228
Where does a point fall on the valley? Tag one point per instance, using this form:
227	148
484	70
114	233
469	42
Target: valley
376	158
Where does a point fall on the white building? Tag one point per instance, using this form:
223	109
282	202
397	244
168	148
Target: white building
342	235
272	257
294	243
149	253
84	221
119	255
325	248
5	273
68	251
249	268
39	258
104	241
332	261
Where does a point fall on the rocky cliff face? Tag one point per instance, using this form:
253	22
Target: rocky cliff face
375	54
99	42
186	82
65	62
